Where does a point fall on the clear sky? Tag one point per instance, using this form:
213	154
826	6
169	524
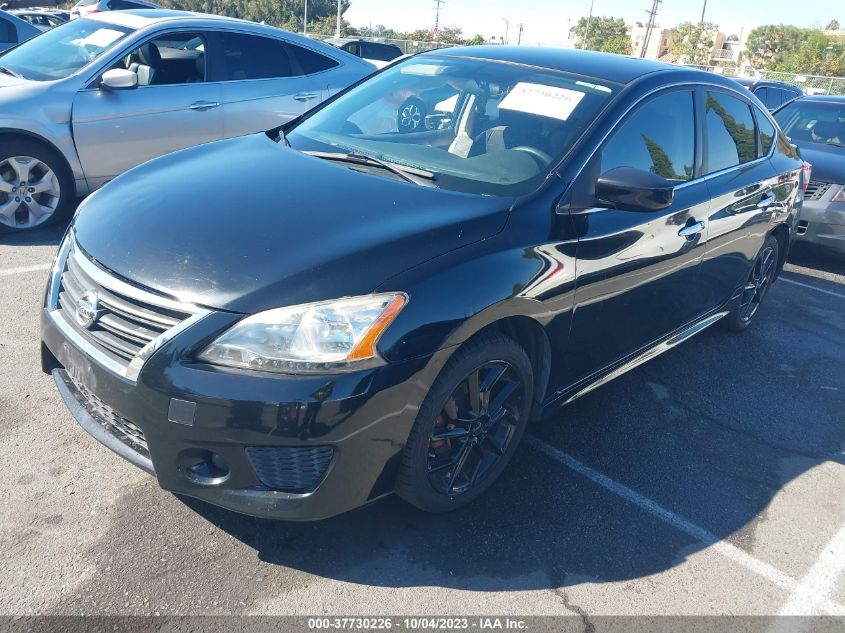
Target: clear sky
546	21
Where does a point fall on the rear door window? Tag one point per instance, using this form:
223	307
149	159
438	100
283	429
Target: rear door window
659	137
729	130
253	57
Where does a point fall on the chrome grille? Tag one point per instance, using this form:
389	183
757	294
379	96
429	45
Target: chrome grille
128	323
816	190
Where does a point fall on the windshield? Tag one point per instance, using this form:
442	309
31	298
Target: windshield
813	121
479	126
64	50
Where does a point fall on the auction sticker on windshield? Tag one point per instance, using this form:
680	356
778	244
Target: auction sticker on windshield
100	38
542	100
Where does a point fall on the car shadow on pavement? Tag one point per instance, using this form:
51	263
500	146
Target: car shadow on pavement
48	236
815	258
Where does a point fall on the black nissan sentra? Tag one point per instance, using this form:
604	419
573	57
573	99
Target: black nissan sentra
381	295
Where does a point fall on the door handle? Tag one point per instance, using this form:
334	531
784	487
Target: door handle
691	230
305	96
203	105
766	201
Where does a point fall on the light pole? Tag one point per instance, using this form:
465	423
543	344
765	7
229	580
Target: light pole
587	26
305	20
507	27
337	30
519	39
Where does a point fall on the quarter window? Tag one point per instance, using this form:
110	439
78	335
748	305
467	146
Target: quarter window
8	33
659	137
729	128
309	61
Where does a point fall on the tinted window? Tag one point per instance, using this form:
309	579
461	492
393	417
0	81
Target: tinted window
381	52
767	132
775	98
8	32
763	95
253	57
117	5
353	48
659	137
308	61
729	127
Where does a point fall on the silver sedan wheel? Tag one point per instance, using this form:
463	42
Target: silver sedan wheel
29	192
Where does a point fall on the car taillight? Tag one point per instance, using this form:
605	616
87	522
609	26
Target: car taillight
806	170
840	196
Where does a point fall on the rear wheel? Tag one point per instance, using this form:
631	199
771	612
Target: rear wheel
35	186
756	287
468	426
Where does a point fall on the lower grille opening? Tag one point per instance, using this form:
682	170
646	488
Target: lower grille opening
124	430
290	469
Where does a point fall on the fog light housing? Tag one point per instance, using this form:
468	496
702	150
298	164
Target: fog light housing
202	467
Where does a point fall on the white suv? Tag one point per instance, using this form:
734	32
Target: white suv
87	7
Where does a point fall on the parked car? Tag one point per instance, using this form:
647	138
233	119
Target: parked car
42	20
94	97
379	54
88	7
772	93
296	323
817	126
14	30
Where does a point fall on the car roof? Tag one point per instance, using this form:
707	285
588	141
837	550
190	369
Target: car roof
140	18
620	69
839	99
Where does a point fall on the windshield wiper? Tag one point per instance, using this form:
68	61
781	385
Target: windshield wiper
6	71
835	144
409	174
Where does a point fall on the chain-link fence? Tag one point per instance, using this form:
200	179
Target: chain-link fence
810	84
406	46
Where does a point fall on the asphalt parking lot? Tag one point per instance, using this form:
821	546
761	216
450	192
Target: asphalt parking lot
708	481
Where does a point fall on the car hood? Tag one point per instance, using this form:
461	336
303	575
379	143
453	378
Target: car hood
828	161
247	225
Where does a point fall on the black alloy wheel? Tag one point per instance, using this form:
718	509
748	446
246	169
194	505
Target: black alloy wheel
756	287
468	426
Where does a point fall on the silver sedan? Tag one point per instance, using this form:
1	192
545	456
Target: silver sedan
86	101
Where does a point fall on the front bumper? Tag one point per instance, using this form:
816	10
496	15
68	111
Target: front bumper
822	222
364	417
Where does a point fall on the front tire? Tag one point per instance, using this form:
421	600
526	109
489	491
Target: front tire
36	186
756	287
469	425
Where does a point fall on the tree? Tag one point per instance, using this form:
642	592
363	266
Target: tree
284	13
769	45
833	25
476	40
603	34
819	54
692	42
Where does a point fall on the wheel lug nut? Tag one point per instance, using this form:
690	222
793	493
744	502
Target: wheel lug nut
28	199
31	190
17	199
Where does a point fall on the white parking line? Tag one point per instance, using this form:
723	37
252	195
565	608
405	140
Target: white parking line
785	581
24	269
820	579
811	287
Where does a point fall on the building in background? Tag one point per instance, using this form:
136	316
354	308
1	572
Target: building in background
658	43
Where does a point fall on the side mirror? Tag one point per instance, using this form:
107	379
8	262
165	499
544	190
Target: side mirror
631	189
119	79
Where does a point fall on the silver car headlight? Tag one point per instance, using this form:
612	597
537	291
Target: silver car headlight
309	338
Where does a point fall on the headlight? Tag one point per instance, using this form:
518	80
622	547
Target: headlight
309	338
